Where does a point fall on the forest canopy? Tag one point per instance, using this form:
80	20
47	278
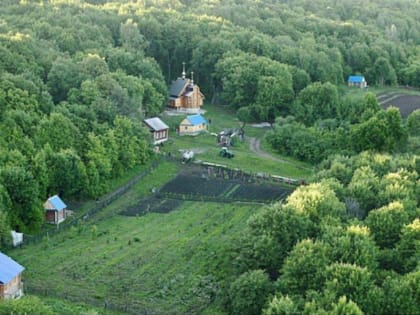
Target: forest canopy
77	77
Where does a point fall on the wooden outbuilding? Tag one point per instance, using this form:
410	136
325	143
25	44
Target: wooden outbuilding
357	81
55	210
158	129
193	125
10	278
185	95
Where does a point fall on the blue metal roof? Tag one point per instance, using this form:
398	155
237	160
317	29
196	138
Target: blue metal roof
196	120
9	269
57	203
356	79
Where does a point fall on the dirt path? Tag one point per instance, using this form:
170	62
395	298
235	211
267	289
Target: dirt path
255	146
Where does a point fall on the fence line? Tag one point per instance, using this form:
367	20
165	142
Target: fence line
211	170
206	198
100	204
104	303
223	171
107	303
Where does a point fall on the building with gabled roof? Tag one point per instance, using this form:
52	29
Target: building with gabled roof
185	95
10	278
357	81
193	125
158	129
55	210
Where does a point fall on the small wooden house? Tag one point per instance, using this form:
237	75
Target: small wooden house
10	278
357	81
193	125
185	95
55	210
158	129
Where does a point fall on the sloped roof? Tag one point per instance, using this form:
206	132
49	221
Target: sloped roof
356	79
57	203
196	120
178	86
9	269
156	124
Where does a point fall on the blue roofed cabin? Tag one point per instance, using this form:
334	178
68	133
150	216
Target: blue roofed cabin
185	95
10	278
193	125
357	81
55	210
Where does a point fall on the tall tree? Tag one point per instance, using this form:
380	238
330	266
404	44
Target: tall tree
352	245
281	305
384	72
130	36
304	268
316	201
248	293
356	284
26	213
409	246
63	76
316	101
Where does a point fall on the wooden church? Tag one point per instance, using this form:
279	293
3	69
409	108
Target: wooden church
185	95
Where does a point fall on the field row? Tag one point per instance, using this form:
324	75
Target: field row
197	186
406	103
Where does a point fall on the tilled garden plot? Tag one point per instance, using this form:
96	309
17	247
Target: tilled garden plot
192	185
406	103
189	186
152	204
260	192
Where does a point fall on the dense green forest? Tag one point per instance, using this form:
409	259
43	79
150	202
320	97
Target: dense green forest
78	76
346	244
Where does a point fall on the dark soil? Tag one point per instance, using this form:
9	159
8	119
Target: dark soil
190	184
152	204
260	192
406	103
193	183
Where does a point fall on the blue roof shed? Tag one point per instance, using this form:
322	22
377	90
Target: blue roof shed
9	269
196	120
356	79
57	203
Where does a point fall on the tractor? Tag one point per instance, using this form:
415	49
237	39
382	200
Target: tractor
224	152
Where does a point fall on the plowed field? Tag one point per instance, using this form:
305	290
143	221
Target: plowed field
406	103
189	185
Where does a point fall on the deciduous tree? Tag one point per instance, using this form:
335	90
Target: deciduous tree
248	293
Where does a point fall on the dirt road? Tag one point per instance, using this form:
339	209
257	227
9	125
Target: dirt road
255	146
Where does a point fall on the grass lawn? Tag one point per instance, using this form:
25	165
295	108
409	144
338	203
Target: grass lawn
244	159
157	177
223	117
164	263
